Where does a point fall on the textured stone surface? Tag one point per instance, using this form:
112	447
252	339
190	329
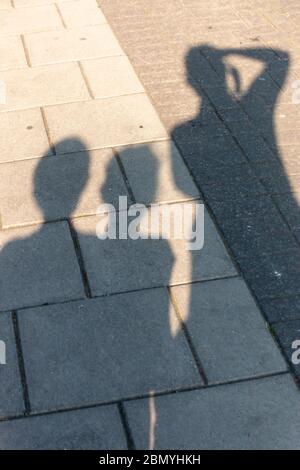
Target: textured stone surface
122	265
111	76
11	395
81	13
70	45
49	84
167	179
105	123
93	428
227	330
11	53
102	350
42	191
40	18
248	415
38	265
24	135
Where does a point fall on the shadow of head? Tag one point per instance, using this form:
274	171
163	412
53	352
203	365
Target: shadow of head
141	166
60	180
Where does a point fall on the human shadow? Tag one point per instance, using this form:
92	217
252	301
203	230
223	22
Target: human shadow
39	267
232	150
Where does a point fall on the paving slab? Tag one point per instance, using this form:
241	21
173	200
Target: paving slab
104	349
11	394
17	21
70	45
227	330
23	135
273	275
106	123
48	189
250	415
38	265
12	54
5	4
171	180
111	76
48	84
86	429
81	13
125	264
285	309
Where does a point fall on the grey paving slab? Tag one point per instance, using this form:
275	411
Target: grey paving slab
48	84
104	349
284	309
70	45
23	135
253	226
11	395
54	188
40	18
273	275
111	76
38	265
249	415
228	330
173	181
119	265
93	428
106	123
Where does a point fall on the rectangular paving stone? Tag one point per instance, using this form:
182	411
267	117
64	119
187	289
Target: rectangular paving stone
4	4
250	415
119	265
69	45
93	428
273	275
106	123
285	309
23	135
227	330
253	226
104	349
38	265
231	183
288	335
12	53
48	84
171	180
111	76
11	395
35	190
19	21
81	13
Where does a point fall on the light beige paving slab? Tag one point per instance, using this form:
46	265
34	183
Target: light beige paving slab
70	45
24	20
111	76
12	53
41	189
157	173
5	4
105	123
81	13
49	84
22	135
30	3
